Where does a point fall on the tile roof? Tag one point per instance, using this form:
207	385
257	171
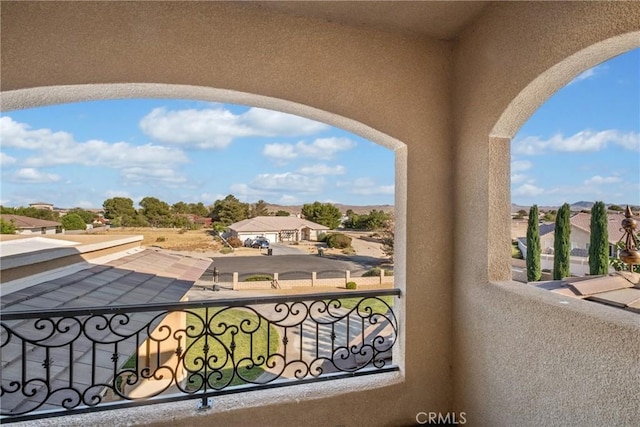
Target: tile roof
275	223
28	222
146	277
620	289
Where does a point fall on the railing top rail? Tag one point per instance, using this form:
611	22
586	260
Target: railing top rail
222	302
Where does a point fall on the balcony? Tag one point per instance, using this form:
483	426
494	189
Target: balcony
68	361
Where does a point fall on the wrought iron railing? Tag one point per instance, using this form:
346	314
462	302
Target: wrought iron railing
59	362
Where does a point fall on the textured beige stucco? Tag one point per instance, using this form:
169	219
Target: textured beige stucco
504	354
521	356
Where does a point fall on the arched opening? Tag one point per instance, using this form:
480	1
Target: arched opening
54	95
578	148
513	118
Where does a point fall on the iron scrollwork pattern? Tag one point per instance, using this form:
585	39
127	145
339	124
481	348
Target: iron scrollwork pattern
69	361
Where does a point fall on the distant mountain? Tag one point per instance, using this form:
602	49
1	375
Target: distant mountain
581	205
575	207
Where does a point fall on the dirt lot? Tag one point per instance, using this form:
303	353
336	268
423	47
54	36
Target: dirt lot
171	238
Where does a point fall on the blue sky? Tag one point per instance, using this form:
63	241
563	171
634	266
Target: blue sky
176	150
582	144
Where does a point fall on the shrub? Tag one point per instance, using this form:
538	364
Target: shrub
226	250
161	239
338	241
375	272
322	237
349	251
73	222
7	227
352	285
234	242
258	278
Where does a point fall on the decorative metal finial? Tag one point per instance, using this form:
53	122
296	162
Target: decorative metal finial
629	255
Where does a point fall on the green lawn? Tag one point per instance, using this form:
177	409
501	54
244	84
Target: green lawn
224	324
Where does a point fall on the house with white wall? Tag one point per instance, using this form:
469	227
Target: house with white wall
580	236
28	225
276	229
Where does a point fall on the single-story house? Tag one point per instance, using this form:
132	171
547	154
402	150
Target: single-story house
28	225
276	229
581	234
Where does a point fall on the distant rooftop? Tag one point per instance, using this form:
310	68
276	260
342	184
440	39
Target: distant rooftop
583	221
27	222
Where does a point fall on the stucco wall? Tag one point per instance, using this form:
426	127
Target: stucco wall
518	357
524	356
371	82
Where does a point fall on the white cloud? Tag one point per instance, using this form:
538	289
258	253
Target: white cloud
321	148
591	72
33	176
520	165
60	148
517	178
288	182
275	123
152	176
109	194
6	160
324	148
595	180
210	198
382	189
322	169
247	194
583	141
216	127
280	152
19	135
528	190
365	186
270	186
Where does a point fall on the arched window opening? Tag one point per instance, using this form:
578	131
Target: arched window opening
171	200
581	146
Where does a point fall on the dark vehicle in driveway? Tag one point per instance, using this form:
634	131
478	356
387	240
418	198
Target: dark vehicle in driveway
257	243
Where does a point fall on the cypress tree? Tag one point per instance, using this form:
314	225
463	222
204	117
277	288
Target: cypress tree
533	246
599	242
561	244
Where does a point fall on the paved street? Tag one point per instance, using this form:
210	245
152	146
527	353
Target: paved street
262	263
